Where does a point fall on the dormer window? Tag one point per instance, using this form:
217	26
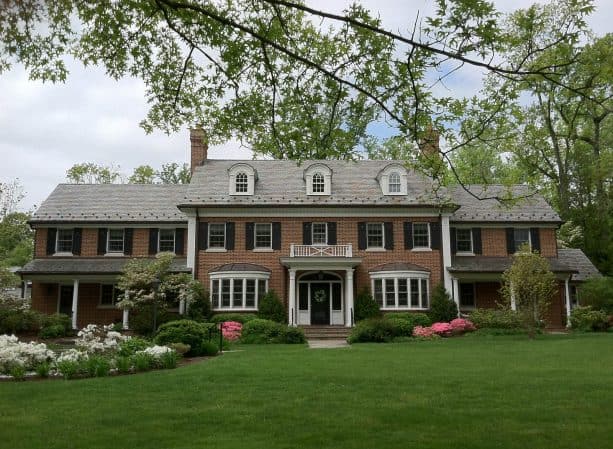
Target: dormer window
242	178
393	182
319	184
241	183
393	179
318	179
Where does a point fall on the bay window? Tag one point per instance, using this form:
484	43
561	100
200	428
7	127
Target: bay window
401	291
237	292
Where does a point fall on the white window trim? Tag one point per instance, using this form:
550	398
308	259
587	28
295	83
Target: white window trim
418	275
174	239
323	170
529	238
472	243
57	241
383	178
251	178
216	249
108	242
235	276
245	184
421	248
389	183
474	285
376	248
313	233
255	240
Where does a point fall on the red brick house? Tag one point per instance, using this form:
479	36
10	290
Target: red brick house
316	233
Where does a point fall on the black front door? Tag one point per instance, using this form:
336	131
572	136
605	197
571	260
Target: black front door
320	303
66	299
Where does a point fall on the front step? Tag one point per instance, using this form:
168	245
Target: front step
326	332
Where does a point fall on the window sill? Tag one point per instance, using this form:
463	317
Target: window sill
375	250
235	309
63	254
166	252
215	250
464	254
114	254
421	250
263	250
403	309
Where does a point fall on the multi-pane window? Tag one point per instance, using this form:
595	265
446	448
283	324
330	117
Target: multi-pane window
421	235
242	183
319	184
319	233
217	235
115	241
237	293
167	240
521	236
467	295
401	292
464	240
64	241
109	295
393	182
374	235
263	235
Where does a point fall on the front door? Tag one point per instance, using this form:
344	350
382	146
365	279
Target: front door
65	301
320	303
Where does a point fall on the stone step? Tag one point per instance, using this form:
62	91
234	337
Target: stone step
326	332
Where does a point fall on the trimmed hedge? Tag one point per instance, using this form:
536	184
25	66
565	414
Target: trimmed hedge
390	327
188	332
496	319
587	319
238	317
259	331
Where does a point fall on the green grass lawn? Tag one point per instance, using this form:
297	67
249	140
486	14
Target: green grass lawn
497	392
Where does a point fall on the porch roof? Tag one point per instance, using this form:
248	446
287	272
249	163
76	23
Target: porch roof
234	267
485	264
320	263
91	266
398	266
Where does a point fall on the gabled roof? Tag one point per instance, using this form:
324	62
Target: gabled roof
281	183
533	208
575	258
73	203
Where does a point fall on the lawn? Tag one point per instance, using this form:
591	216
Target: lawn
497	392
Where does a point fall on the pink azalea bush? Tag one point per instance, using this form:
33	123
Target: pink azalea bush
442	329
461	325
231	330
423	332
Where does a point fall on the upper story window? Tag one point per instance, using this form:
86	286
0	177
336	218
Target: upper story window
464	240
421	235
263	236
393	179
318	179
319	233
242	178
375	235
166	240
64	241
521	236
217	235
115	241
393	182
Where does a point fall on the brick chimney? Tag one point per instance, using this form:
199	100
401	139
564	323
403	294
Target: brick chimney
199	147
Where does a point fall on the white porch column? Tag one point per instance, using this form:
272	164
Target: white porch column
567	298
456	293
292	297
191	242
125	320
513	304
182	307
349	297
75	302
446	248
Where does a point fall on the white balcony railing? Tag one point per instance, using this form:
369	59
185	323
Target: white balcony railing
321	250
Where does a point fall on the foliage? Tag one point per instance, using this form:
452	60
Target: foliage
91	173
209	349
461	325
587	319
292	335
231	330
173	173
365	306
123	364
97	366
142	361
141	318
132	345
189	332
424	332
17	317
143	174
27	355
261	331
597	293
532	285
416	319
16	239
55	326
378	330
11	194
238	317
271	308
200	307
496	319
53	331
94	338
442	307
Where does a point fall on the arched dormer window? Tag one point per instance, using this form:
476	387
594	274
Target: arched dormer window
393	182
241	183
318	177
319	184
242	178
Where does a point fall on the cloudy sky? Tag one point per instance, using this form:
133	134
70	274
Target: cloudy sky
46	128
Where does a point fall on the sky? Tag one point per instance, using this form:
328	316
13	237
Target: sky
47	128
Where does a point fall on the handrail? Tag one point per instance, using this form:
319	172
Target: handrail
321	250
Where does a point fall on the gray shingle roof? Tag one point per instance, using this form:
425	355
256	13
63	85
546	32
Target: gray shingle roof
112	202
531	209
229	267
577	259
397	266
280	182
82	265
485	264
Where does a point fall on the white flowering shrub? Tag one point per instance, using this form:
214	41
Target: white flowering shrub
71	355
99	339
27	355
157	351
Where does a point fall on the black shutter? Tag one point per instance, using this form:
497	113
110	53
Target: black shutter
180	241
153	241
249	230
276	235
128	238
307	238
102	241
51	234
435	235
332	233
362	235
535	239
77	234
452	241
477	245
230	235
408	235
389	234
510	241
203	235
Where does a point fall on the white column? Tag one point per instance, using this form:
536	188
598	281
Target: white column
75	302
182	307
349	297
456	293
513	304
567	298
191	242
125	321
292	297
446	248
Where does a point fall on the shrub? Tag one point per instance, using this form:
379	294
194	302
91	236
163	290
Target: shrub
231	330
97	366
442	307
460	325
365	306
54	331
598	293
401	327
68	368
142	361
496	319
132	345
188	332
237	317
200	307
42	369
58	319
587	319
180	348
424	332
377	330
141	318
209	349
18	321
416	319
260	331
123	364
18	372
292	335
271	308
442	329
